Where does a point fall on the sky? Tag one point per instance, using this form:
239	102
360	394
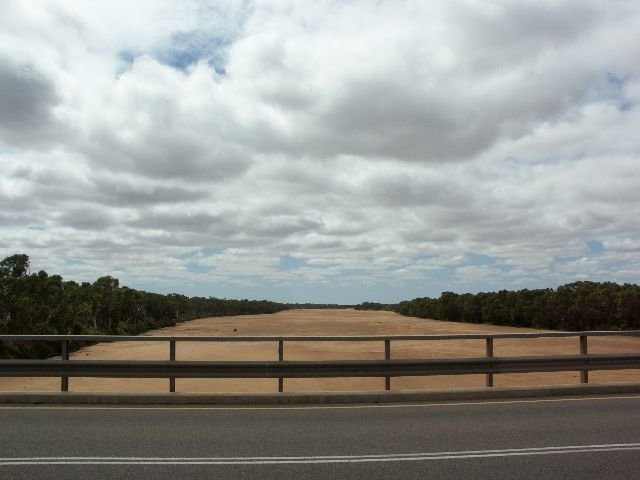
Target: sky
321	151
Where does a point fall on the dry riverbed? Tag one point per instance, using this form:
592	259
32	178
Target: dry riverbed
329	322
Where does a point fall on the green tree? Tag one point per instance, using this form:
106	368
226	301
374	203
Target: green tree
15	266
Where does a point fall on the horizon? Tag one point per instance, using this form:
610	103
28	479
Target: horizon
322	153
29	271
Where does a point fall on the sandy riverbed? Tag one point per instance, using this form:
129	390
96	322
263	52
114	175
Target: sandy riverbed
329	322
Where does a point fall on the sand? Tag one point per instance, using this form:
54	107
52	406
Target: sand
330	322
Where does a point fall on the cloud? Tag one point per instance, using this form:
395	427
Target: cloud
384	146
27	98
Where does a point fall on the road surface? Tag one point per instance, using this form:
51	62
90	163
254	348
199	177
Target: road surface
585	438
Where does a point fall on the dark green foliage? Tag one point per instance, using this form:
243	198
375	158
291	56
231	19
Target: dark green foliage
319	306
575	307
14	266
46	304
373	306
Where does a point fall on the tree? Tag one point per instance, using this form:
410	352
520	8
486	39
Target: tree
15	266
40	303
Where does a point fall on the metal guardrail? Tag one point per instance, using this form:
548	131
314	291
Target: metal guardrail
281	369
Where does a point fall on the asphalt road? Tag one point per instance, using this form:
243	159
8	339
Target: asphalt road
549	439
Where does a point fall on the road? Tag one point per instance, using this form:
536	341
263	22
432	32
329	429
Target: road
585	438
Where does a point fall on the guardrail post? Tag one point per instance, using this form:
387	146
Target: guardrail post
64	381
280	359
584	350
172	358
489	354
387	356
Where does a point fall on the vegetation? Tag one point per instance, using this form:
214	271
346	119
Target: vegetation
574	307
319	306
46	304
375	306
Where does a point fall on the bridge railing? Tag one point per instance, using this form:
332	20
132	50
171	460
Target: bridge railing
489	365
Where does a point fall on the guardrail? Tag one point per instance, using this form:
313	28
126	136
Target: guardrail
489	365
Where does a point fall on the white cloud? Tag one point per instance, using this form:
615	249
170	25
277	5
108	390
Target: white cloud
192	146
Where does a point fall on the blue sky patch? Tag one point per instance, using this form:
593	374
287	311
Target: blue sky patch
72	261
185	49
616	85
288	262
477	259
595	246
188	48
195	268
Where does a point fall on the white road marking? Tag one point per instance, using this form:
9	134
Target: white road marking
399	457
152	407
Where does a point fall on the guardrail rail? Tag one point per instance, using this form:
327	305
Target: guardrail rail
279	369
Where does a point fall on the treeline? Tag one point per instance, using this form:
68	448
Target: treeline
319	306
375	306
574	307
43	304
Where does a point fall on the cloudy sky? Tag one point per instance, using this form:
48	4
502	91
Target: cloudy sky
322	151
